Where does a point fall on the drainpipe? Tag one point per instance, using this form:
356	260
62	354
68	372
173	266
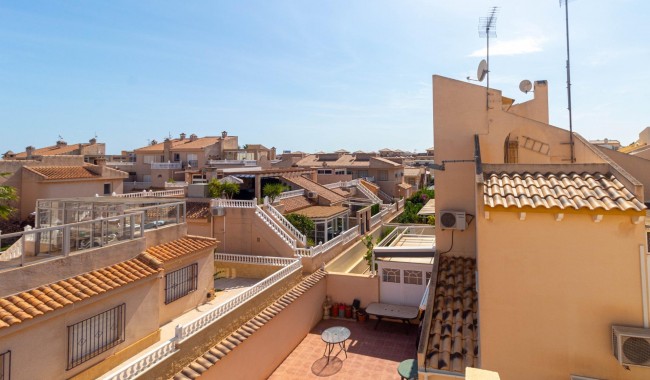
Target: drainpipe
644	283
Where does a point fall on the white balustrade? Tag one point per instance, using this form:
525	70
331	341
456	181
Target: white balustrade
275	227
153	194
187	330
249	259
166	165
369	194
290	194
176	184
233	203
147	361
280	218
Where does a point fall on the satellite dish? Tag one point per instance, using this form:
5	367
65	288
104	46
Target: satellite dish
482	70
525	86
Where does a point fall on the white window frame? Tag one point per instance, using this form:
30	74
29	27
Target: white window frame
392	275
412	277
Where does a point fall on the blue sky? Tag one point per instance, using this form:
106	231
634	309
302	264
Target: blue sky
304	75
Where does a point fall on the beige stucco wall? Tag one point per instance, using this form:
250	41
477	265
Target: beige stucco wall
274	341
228	269
245	233
549	292
459	113
199	227
39	347
205	285
346	287
637	166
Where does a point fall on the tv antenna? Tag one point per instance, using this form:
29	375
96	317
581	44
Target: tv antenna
525	86
487	27
481	71
568	79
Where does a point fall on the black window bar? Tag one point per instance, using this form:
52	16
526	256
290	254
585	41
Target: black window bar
181	282
95	335
5	365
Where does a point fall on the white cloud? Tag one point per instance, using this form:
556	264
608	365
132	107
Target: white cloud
525	45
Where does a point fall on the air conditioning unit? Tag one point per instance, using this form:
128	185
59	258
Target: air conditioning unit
631	345
452	220
218	211
312	195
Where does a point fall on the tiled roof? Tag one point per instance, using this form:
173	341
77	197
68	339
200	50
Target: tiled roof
632	147
321	211
296	203
53	150
453	336
341	192
310	185
197	210
33	303
562	191
180	145
63	172
412	172
230	343
180	247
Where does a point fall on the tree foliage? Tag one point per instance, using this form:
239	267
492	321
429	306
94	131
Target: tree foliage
272	190
219	189
7	195
305	225
414	204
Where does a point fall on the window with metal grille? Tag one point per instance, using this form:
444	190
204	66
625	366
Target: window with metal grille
390	275
413	277
97	334
181	282
5	365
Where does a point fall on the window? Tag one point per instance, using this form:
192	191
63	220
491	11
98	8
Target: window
107	189
92	336
363	173
149	159
5	365
193	160
324	171
390	275
181	282
413	277
177	157
383	175
511	151
340	171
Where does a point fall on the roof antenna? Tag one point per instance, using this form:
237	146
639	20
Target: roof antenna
568	79
487	27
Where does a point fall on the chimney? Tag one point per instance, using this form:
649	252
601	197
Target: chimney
100	161
167	150
193	137
30	151
93	141
61	143
273	152
154	142
182	136
224	134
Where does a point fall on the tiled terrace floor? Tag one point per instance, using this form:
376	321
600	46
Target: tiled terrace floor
372	354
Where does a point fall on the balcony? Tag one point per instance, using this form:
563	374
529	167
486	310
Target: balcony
167	165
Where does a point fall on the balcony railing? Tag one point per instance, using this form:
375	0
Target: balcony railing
233	162
167	165
119	163
290	194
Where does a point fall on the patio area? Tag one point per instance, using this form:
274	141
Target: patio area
372	354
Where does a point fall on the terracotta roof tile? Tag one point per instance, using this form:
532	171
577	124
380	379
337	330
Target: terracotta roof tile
453	336
310	185
317	212
341	192
180	247
179	145
563	191
30	304
63	172
296	203
197	210
54	150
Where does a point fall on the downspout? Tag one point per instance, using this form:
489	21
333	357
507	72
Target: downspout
644	283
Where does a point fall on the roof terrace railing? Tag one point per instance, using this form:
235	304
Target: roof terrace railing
146	362
290	194
186	330
39	244
248	259
154	194
233	203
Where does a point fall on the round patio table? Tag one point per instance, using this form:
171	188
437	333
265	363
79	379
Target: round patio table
408	369
333	336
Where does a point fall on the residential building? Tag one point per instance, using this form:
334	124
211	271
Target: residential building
640	147
541	245
94	281
91	151
57	176
158	163
607	143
